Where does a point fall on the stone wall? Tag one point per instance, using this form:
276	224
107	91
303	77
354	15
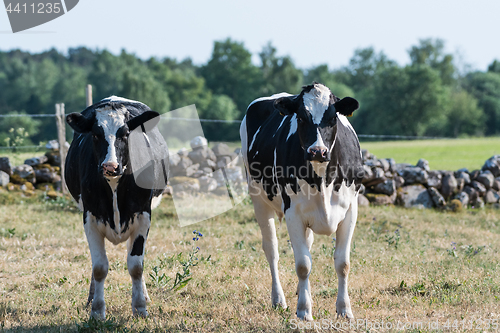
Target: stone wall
389	183
208	170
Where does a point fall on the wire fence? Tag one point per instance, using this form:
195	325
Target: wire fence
366	136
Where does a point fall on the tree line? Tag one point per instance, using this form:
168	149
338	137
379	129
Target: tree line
430	96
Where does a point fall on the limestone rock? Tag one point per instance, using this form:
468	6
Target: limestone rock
174	159
379	199
207	184
388	187
486	178
4	178
201	154
185	184
198	142
463	175
463	197
399	181
436	197
415	196
480	188
25	172
435	178
221	149
460	184
491	197
45	175
423	164
5	165
493	165
34	161
363	201
448	185
474	174
377	176
471	192
496	184
414	175
478	203
392	165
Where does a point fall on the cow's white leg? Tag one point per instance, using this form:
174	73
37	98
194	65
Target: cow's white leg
265	217
135	262
310	240
301	241
341	257
99	265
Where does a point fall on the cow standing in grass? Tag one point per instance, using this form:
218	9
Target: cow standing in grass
304	163
116	203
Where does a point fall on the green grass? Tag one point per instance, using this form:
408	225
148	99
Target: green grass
18	158
413	274
446	154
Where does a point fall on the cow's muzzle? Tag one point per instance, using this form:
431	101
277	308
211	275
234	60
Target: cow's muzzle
111	169
318	154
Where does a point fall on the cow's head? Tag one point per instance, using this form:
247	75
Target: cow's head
109	126
314	113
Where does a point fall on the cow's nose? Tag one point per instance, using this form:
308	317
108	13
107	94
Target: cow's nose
318	153
110	168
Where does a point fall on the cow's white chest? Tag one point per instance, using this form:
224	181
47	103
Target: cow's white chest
114	235
321	210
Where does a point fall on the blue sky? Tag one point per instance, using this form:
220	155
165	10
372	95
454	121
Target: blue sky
311	32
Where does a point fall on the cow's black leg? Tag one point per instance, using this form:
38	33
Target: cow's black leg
135	262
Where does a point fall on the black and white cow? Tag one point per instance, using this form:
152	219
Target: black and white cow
304	163
99	176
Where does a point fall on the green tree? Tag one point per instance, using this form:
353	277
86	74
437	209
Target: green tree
363	68
10	127
279	74
221	107
494	67
322	75
486	88
230	72
431	52
403	101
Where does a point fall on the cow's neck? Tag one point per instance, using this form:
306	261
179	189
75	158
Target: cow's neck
320	168
113	184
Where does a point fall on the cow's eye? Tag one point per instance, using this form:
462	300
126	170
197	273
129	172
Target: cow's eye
300	120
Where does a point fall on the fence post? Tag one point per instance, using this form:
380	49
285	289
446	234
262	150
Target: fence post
88	94
61	137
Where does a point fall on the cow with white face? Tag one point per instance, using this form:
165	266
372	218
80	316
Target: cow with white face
304	163
115	205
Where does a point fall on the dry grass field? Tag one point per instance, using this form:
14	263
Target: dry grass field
408	267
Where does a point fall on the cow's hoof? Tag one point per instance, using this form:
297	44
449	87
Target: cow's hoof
140	312
280	304
98	310
304	315
346	313
279	301
98	315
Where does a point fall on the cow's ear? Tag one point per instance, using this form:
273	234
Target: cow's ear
144	119
79	122
286	105
346	106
